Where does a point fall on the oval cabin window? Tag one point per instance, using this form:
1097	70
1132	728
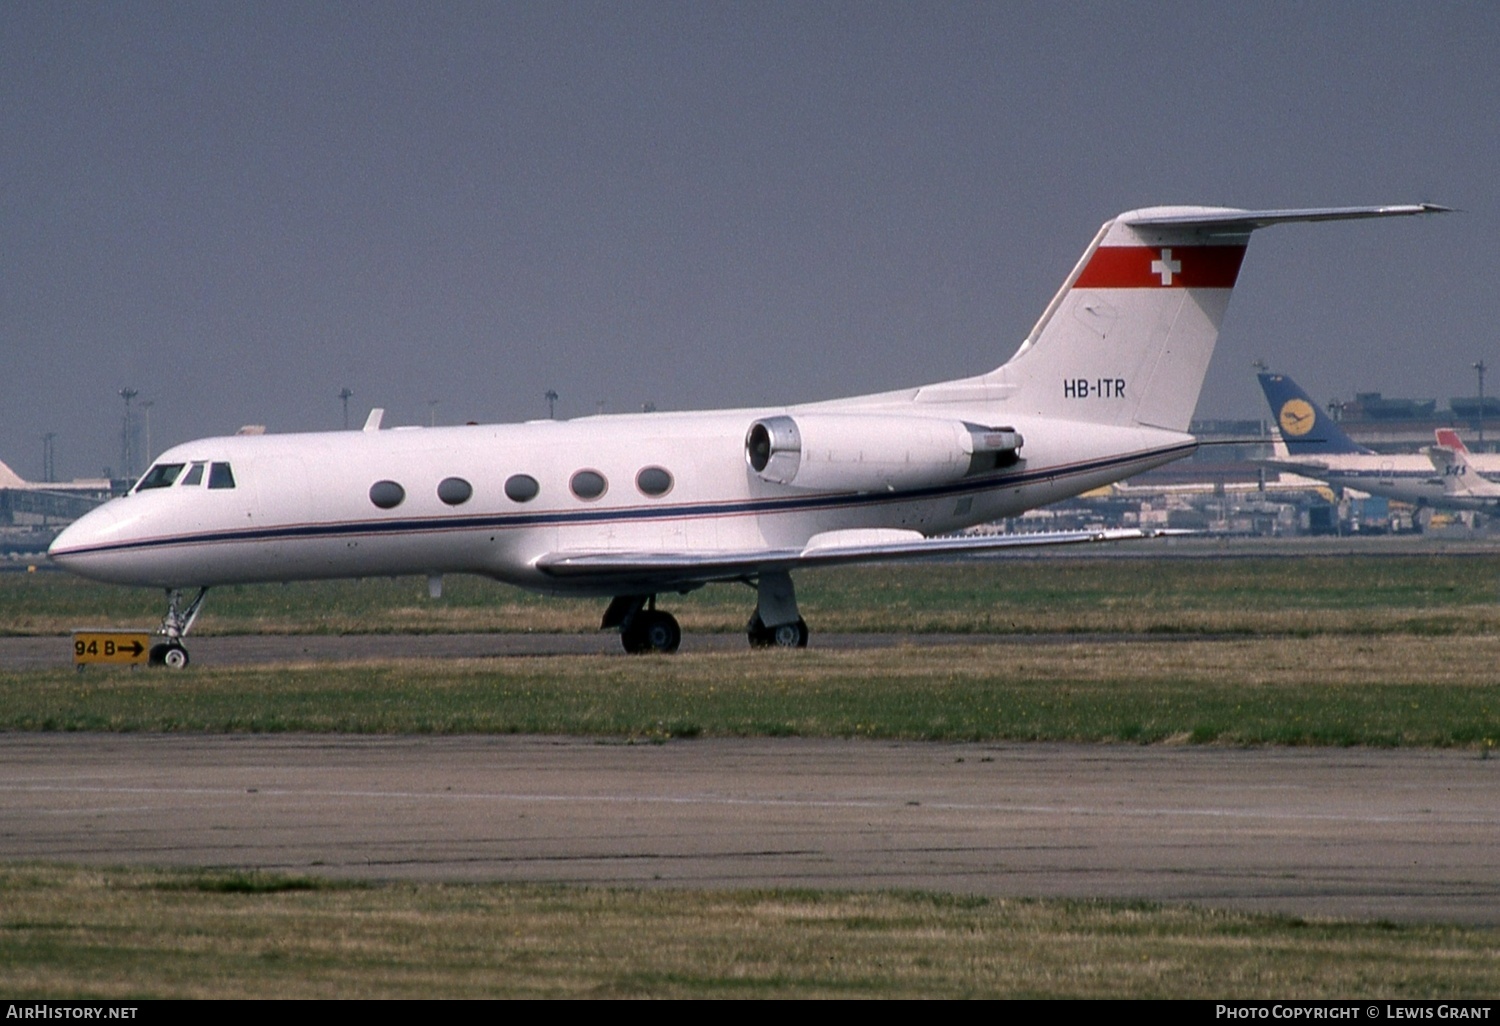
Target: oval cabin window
654	481
387	494
588	484
454	491
521	488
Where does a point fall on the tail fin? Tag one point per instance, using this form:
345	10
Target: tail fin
1128	338
1460	481
1448	439
1306	429
9	478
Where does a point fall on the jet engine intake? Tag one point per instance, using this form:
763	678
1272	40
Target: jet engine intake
867	452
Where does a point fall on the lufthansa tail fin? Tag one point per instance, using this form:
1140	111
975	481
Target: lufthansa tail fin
1128	338
1305	429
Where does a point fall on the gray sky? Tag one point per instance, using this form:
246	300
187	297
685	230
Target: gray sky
239	209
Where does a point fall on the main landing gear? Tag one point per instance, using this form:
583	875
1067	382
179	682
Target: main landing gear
788	635
774	624
174	627
643	627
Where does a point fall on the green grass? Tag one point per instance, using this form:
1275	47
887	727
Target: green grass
1338	650
1317	594
1382	690
138	934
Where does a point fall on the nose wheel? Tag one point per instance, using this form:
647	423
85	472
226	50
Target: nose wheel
174	627
171	655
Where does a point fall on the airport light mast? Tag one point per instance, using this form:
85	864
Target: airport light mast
1479	369
127	450
345	394
146	406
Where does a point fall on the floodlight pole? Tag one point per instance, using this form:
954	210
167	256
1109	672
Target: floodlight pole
147	407
127	456
1479	369
345	394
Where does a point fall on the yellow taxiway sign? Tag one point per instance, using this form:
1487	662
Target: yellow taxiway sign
130	648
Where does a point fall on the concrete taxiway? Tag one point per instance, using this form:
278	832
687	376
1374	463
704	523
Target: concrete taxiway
1401	835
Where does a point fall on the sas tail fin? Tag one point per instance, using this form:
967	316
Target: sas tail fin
1128	338
1448	439
1460	480
1305	429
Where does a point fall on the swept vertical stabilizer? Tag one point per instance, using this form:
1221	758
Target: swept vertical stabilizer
1306	430
1127	340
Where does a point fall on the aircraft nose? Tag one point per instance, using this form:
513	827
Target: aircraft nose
79	543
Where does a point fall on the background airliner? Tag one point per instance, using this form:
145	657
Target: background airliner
1317	447
631	507
63	499
1462	484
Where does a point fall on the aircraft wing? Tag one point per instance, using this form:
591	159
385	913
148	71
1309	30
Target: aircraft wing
670	570
1305	468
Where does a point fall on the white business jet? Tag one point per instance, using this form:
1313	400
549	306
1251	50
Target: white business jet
632	507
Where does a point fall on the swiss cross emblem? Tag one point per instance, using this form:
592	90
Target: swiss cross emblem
1166	267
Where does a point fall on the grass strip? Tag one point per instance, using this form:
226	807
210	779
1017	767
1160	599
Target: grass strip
143	933
1381	691
1442	595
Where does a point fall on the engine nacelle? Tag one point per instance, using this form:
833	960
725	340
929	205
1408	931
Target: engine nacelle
867	452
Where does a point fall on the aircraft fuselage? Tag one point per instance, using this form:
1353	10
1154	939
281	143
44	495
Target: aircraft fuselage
302	506
1404	478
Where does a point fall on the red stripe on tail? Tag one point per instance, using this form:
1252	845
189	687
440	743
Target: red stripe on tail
1152	267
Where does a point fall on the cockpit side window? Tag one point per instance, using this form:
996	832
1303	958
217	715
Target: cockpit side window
220	476
194	476
160	476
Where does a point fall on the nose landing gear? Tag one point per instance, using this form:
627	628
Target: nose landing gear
174	627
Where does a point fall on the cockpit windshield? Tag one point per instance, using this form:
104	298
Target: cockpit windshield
165	475
160	476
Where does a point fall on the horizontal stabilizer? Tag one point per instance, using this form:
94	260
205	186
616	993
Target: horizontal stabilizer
1245	221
